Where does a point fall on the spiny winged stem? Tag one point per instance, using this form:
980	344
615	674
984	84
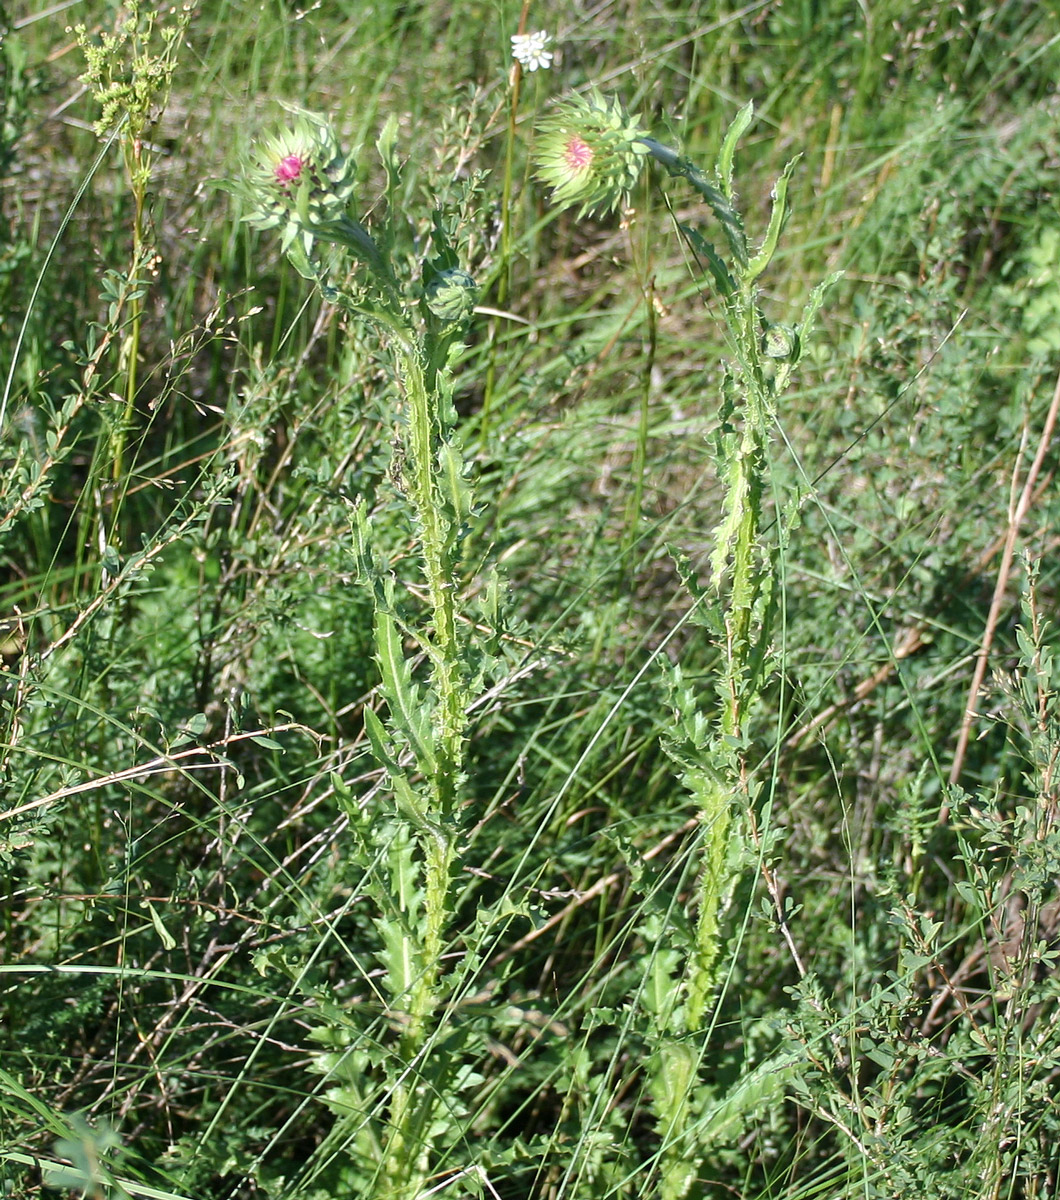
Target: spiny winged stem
406	1162
426	441
764	355
590	151
303	184
735	558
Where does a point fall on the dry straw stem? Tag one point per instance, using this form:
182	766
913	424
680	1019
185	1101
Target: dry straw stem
1016	516
164	764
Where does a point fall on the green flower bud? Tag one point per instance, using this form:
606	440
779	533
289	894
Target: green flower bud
451	295
780	342
590	151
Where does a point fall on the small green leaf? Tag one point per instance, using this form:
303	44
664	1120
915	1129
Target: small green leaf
192	729
377	735
724	282
385	146
455	487
736	130
259	739
164	936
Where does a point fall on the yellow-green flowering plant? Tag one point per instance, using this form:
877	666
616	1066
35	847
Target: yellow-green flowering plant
129	74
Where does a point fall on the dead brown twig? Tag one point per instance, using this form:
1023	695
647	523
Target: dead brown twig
1016	515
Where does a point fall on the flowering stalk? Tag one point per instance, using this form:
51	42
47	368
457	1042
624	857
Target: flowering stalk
129	73
590	152
302	184
529	53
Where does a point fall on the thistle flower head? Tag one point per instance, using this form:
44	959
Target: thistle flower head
590	151
299	180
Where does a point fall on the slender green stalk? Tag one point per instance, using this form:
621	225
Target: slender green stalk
640	449
505	277
138	173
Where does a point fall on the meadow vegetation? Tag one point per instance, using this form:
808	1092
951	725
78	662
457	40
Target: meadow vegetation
519	690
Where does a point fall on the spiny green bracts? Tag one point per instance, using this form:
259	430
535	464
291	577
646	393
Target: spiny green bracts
301	182
590	151
450	295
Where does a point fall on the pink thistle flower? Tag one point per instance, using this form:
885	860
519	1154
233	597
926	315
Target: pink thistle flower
577	153
289	169
590	151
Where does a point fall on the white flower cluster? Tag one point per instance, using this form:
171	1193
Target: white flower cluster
531	49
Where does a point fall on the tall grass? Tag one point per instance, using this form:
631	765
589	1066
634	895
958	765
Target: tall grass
600	744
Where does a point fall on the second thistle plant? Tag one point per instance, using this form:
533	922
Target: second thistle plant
591	153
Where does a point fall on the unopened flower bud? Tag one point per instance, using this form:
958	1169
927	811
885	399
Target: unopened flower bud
451	295
780	342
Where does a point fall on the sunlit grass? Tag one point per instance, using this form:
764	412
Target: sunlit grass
209	893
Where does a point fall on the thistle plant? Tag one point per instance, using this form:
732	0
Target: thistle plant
591	153
303	184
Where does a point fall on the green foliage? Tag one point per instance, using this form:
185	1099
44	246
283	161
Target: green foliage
478	697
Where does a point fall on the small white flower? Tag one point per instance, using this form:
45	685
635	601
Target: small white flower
531	49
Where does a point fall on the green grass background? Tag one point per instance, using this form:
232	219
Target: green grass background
189	961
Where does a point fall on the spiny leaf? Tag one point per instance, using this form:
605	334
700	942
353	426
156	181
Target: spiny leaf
454	486
736	130
778	215
410	709
409	802
724	282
